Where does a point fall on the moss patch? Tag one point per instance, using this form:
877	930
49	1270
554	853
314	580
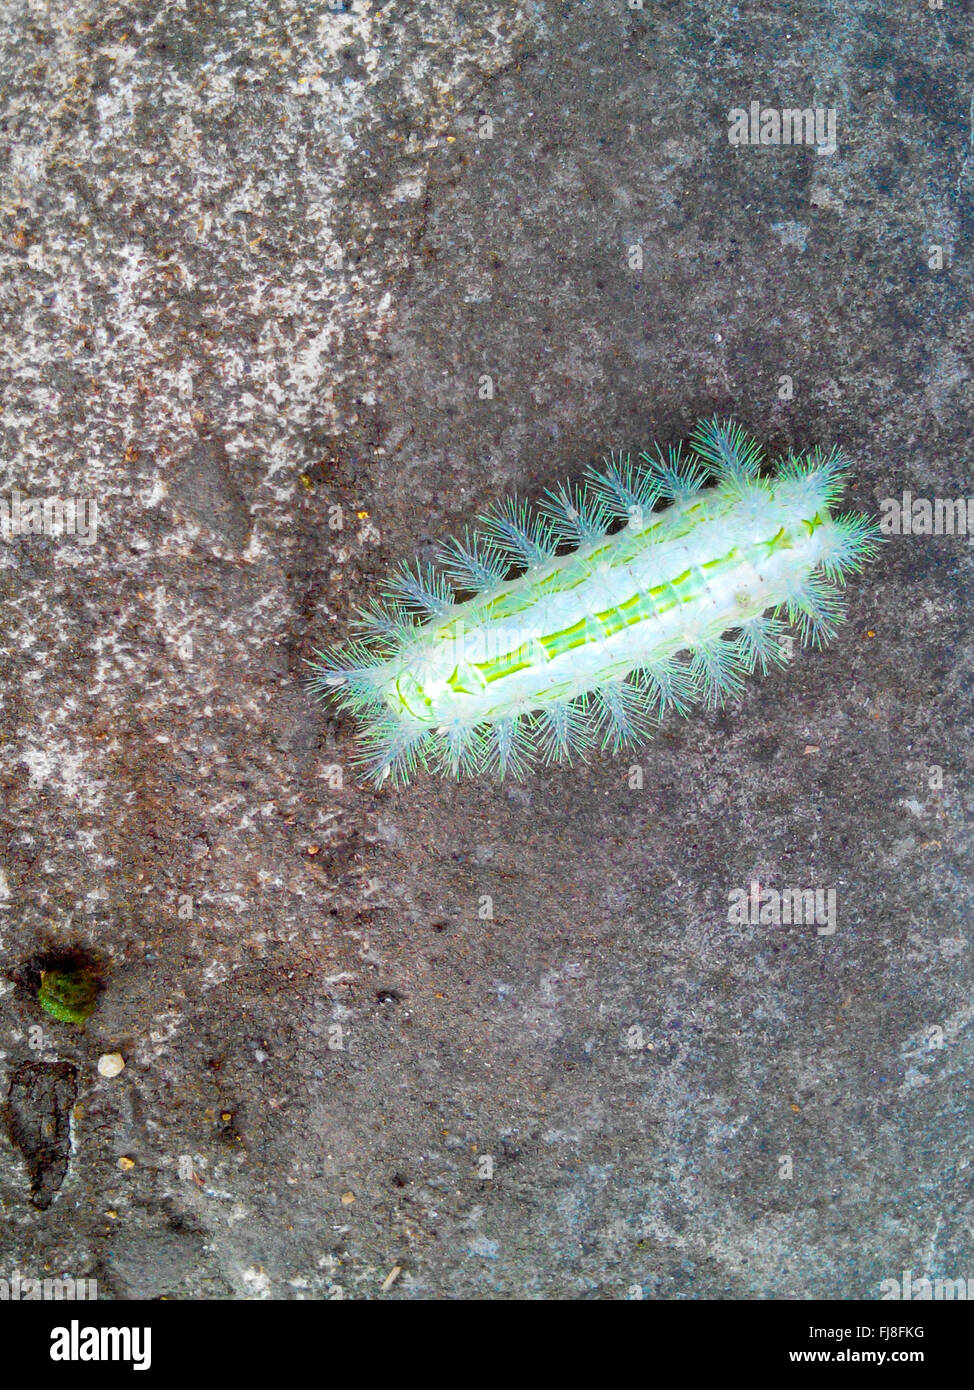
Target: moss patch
68	995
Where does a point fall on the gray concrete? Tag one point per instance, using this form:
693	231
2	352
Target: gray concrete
253	261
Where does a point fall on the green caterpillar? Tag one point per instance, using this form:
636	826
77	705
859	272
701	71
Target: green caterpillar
518	648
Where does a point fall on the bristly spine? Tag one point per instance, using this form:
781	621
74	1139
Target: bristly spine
516	650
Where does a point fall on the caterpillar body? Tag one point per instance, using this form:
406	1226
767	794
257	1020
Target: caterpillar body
517	648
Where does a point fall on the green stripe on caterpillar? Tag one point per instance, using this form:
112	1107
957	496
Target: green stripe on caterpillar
549	632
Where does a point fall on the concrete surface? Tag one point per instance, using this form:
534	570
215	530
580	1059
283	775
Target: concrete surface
256	260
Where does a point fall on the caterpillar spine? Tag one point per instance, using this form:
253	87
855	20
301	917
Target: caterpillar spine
515	650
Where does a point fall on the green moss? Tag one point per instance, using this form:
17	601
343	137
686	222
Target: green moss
67	995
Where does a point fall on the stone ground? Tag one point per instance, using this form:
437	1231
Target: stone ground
256	259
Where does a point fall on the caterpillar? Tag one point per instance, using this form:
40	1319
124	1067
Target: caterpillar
549	632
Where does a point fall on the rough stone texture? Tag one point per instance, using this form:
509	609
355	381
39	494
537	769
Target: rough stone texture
40	1099
254	260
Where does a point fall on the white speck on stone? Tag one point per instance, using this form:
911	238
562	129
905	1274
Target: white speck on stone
154	494
486	1249
257	1282
408	188
792	234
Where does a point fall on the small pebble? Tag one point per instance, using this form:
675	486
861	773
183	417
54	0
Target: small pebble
110	1064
